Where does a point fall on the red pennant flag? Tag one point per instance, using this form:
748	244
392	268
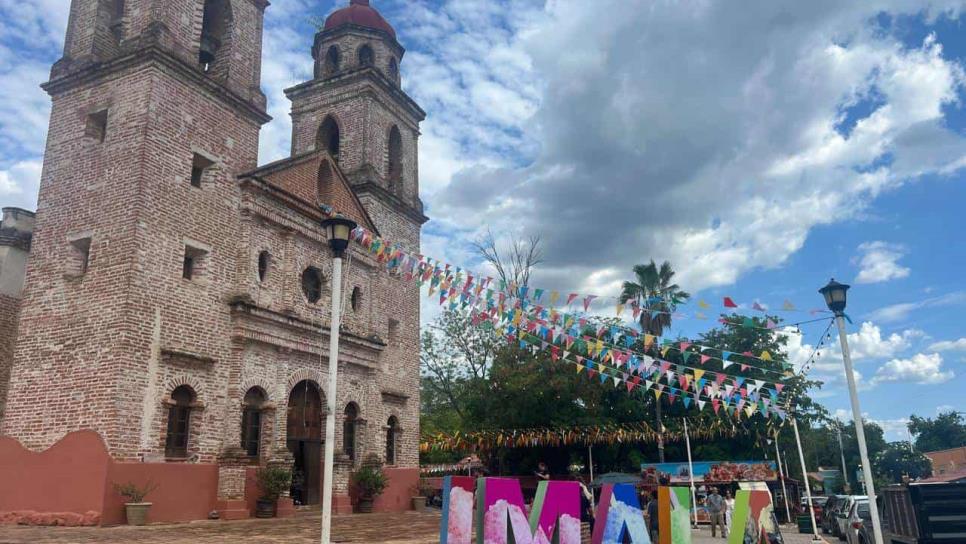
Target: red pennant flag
744	367
704	358
591	373
716	404
779	387
587	300
728	303
570	298
685	345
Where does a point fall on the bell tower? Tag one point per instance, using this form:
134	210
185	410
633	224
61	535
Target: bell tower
354	108
156	107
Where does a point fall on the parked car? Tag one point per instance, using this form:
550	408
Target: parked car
818	505
828	515
859	518
842	514
924	513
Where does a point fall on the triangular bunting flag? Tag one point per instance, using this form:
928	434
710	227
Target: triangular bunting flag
728	303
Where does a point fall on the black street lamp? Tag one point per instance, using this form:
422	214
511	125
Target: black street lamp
338	229
835	296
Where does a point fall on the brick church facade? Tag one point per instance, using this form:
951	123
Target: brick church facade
175	298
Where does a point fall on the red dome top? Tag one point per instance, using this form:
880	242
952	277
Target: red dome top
359	13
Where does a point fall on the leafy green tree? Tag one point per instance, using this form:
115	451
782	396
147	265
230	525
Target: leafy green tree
898	459
947	430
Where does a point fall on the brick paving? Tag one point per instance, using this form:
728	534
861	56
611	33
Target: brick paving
406	528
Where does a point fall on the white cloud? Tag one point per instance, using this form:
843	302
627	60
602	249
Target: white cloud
19	183
921	368
899	312
879	262
706	137
949	345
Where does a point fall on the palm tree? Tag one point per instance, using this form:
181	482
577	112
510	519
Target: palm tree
657	298
655	293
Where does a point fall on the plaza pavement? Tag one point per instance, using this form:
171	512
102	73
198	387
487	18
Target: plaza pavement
405	528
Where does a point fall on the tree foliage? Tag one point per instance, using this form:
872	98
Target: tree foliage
898	459
947	430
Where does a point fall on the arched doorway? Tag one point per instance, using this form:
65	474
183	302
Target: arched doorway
304	440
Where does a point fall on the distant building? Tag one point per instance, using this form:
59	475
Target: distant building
947	461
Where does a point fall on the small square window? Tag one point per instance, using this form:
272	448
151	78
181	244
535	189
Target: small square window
194	263
97	126
199	165
80	256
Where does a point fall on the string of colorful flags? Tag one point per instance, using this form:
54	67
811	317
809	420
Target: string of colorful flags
449	280
743	396
586	435
516	312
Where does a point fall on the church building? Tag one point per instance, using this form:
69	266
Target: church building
171	298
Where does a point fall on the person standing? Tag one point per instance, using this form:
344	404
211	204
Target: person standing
729	511
542	472
716	511
653	518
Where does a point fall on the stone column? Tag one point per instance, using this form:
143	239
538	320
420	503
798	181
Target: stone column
342	475
233	465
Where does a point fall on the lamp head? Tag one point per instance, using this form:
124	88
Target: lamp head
338	229
835	296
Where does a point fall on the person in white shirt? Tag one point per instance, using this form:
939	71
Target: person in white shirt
729	510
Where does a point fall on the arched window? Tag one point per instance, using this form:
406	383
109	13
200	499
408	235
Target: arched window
355	300
327	138
366	56
349	425
392	433
215	34
323	184
264	261
331	61
395	159
312	284
393	69
179	422
251	430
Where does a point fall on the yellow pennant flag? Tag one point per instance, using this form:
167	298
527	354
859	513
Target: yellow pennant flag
648	339
554	297
697	374
600	345
579	368
765	356
664	352
657	394
704	305
620	309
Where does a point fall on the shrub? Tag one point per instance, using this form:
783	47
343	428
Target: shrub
273	481
133	493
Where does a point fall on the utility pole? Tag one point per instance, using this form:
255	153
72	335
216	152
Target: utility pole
845	472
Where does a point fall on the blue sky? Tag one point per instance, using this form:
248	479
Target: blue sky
761	150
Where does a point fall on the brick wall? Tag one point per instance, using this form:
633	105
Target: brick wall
9	310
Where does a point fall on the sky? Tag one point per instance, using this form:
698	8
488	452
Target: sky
760	147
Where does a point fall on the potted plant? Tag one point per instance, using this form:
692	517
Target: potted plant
421	492
371	482
272	482
135	508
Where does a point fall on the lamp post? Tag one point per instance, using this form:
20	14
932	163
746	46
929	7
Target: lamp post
835	298
337	230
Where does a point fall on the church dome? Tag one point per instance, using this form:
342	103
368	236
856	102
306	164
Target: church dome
359	13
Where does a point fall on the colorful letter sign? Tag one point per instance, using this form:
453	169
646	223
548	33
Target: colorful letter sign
500	512
619	513
752	517
457	523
